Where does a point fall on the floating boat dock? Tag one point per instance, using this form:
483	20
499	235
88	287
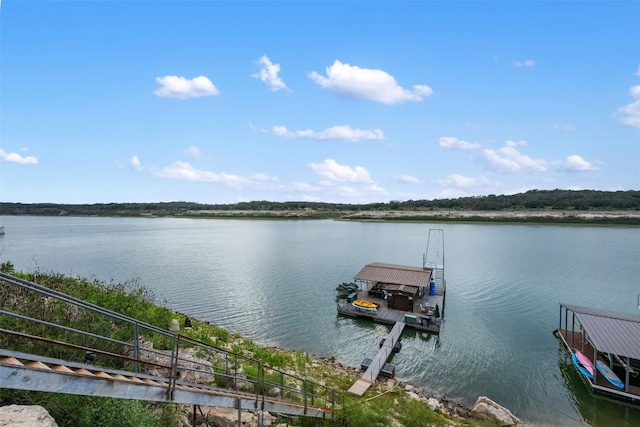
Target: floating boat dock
398	295
606	336
413	295
378	365
420	317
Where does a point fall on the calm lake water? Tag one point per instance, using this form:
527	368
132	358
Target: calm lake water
274	281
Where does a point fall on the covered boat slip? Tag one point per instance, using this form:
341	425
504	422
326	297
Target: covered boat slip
613	338
402	294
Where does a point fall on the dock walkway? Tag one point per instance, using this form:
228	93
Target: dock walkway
376	365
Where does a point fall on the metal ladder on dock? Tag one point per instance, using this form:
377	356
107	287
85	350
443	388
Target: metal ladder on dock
434	258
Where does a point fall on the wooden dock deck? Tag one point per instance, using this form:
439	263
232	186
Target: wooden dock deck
379	360
390	316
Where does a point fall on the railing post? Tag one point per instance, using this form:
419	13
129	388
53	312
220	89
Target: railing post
304	393
281	385
226	370
174	366
259	381
136	348
235	371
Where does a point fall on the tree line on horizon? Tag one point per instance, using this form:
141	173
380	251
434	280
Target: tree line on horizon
533	199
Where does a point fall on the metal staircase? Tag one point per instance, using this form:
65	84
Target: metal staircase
131	370
27	372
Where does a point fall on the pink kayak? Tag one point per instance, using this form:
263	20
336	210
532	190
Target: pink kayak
585	362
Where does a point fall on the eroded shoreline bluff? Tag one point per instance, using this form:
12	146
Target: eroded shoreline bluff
547	216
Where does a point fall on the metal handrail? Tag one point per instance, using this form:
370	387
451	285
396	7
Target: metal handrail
259	382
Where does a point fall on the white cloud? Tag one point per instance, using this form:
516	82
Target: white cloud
135	163
192	151
511	143
375	188
509	159
457	180
371	84
408	179
452	143
183	171
637	73
263	178
182	88
17	158
631	112
335	172
525	63
344	133
576	163
562	126
269	74
282	131
348	192
303	186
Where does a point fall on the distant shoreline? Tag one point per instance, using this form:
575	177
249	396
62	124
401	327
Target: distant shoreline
590	217
524	216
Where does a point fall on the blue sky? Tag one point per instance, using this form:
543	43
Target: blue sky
334	101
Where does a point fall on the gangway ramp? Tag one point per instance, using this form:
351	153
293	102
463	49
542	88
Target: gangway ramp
378	361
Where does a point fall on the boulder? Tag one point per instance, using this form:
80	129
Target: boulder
413	395
434	404
174	325
410	388
486	406
226	417
26	416
198	369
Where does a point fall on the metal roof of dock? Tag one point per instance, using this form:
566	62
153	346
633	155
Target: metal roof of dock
610	332
395	274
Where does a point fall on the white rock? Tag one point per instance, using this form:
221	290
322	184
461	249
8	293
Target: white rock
434	404
486	406
410	388
26	416
174	325
413	395
273	392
